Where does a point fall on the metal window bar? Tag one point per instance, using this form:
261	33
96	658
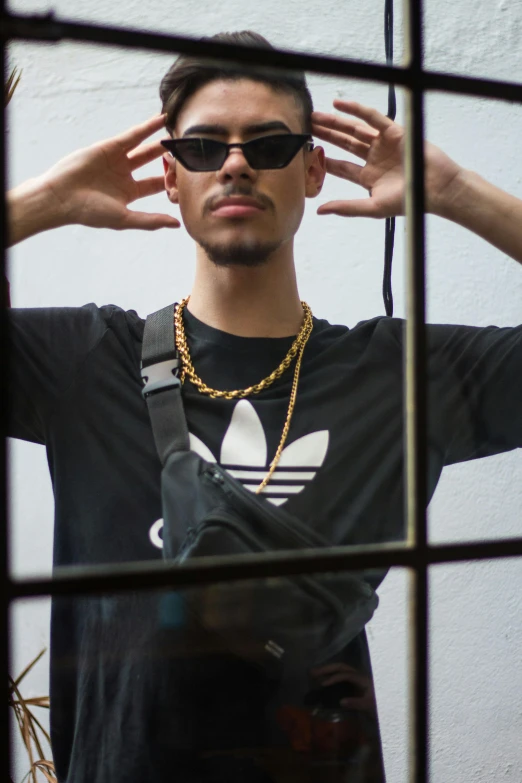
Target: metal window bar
416	555
4	622
416	393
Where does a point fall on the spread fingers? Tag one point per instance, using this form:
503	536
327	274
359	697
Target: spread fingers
145	154
344	169
358	130
371	116
342	140
138	133
150	186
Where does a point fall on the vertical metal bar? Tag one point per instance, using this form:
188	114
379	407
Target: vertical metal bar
4	622
416	392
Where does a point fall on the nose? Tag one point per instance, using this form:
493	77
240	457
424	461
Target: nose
235	167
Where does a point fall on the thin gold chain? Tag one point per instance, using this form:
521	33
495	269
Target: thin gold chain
297	347
286	428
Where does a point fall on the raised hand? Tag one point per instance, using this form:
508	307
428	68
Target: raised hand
379	142
94	186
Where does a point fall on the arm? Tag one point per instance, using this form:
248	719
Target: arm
451	191
486	210
31	211
92	187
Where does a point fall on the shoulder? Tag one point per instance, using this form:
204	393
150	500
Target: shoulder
384	335
383	328
380	331
124	324
87	323
67	335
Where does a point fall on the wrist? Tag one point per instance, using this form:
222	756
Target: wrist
31	209
457	196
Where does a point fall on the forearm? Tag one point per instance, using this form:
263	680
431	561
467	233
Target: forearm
486	210
31	209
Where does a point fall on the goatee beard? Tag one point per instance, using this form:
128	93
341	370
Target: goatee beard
247	254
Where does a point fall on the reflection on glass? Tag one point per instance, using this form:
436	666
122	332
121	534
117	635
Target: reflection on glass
151	686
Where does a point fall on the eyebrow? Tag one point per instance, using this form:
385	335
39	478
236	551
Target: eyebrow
220	130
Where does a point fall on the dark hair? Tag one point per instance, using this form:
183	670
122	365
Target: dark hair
188	74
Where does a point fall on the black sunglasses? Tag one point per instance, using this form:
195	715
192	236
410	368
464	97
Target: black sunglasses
266	152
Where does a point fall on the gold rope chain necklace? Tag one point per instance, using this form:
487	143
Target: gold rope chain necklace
297	348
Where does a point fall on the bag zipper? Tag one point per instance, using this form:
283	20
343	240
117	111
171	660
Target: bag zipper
223	519
228	484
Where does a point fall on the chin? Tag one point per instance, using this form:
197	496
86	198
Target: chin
245	253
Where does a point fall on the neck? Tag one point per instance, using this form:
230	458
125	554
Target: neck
261	301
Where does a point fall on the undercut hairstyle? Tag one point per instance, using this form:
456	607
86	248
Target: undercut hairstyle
189	74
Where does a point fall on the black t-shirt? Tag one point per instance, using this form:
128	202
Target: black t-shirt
123	707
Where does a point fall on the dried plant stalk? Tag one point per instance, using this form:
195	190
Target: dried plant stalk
11	85
30	727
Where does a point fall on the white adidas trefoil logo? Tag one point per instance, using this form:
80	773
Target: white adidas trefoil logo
244	455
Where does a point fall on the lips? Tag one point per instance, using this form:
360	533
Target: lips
239	206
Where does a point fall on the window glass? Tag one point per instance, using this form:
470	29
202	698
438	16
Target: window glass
475	668
29	639
352	30
475	40
290	729
195	682
474	290
340	467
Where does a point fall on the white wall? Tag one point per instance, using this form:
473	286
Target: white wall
71	96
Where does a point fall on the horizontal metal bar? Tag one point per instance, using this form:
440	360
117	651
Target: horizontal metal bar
51	29
437	81
147	575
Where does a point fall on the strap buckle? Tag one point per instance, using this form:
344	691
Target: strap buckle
159	377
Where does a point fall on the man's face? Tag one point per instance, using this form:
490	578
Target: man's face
238	111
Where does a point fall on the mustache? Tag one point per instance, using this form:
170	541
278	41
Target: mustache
233	190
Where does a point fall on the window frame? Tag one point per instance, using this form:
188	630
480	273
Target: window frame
415	554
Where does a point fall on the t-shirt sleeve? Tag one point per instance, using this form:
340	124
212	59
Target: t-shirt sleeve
475	389
48	345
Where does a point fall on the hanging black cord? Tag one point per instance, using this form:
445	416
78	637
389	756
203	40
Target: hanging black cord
392	110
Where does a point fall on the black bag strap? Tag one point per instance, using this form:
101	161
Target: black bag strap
162	389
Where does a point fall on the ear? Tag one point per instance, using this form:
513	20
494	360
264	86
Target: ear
315	162
171	180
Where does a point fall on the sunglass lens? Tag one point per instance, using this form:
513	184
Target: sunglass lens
272	152
200	154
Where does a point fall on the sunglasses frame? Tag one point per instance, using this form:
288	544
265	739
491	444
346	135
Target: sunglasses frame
173	145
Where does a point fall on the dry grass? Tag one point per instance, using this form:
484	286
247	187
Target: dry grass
11	85
34	735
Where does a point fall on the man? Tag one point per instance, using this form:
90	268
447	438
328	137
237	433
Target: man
126	704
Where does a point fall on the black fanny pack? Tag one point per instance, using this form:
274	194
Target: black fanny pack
274	622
